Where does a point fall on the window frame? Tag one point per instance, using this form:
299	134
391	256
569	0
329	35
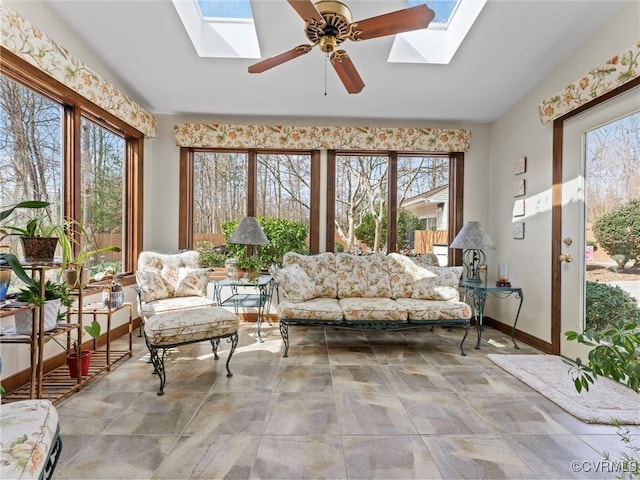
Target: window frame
185	222
456	194
74	106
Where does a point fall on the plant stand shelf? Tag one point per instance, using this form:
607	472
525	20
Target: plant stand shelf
57	383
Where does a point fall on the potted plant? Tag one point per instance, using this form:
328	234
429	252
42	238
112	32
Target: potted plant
39	238
54	296
247	265
76	251
85	355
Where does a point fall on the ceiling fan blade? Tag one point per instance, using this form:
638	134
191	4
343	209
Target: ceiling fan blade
271	62
345	69
413	18
307	10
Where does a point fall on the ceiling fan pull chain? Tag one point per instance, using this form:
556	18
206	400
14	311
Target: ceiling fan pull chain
326	60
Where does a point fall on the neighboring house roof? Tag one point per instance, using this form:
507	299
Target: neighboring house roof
436	195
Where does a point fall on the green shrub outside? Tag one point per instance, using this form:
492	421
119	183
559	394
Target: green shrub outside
284	236
618	232
606	305
208	256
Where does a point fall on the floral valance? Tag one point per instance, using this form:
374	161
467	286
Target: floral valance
617	71
29	43
311	138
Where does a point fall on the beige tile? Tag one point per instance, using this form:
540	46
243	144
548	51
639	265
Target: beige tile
210	456
299	457
317	415
231	413
363	379
373	414
388	457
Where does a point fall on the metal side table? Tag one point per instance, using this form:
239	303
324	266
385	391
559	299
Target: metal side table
261	299
479	291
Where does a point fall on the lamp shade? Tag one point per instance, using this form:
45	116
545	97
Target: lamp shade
472	237
249	232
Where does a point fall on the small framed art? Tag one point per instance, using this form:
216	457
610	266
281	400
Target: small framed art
518	208
519	187
520	165
518	230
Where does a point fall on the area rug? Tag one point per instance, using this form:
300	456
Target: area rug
606	401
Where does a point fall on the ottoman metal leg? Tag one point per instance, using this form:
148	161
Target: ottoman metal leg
284	331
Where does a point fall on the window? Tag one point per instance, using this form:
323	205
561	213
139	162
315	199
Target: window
59	147
222	185
409	193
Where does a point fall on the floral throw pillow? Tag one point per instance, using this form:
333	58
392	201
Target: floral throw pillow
152	285
192	281
430	289
295	284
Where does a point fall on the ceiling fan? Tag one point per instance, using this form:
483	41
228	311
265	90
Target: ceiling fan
328	24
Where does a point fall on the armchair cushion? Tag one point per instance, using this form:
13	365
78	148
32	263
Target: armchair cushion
192	281
152	285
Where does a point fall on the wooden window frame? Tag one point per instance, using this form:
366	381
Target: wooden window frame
75	106
456	195
185	223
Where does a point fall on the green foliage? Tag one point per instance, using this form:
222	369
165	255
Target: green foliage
284	236
366	231
607	304
30	204
615	354
338	248
407	222
618	232
52	290
209	257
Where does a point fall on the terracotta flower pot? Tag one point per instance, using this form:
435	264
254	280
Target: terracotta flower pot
72	363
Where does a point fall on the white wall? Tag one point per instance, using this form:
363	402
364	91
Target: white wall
520	133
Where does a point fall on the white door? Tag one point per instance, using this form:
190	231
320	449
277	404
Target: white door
574	198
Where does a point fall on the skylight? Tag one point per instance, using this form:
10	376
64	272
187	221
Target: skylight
220	28
440	41
442	8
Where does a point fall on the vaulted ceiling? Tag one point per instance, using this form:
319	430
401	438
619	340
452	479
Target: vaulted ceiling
509	49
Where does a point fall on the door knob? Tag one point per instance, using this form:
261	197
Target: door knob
566	258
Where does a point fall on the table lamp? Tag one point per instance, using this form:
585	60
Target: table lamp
473	241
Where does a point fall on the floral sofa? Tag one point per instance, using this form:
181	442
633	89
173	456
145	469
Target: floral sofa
376	292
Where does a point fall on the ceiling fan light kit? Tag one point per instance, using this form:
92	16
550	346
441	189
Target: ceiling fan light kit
328	24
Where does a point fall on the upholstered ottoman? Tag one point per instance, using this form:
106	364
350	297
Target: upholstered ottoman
30	438
180	327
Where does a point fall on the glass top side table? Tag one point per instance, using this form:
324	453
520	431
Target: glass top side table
261	300
479	291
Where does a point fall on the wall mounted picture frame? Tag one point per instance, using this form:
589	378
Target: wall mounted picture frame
520	165
518	208
518	230
519	187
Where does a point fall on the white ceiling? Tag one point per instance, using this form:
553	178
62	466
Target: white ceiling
510	48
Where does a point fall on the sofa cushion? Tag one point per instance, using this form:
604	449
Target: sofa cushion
372	309
317	309
434	309
404	272
164	305
192	281
152	285
320	268
295	284
362	276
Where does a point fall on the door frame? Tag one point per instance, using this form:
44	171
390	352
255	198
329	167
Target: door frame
556	208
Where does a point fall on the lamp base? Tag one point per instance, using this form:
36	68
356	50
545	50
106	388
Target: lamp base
503	284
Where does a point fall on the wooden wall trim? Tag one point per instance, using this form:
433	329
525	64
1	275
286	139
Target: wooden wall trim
330	238
314	208
392	201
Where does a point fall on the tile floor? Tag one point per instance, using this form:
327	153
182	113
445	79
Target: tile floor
343	405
